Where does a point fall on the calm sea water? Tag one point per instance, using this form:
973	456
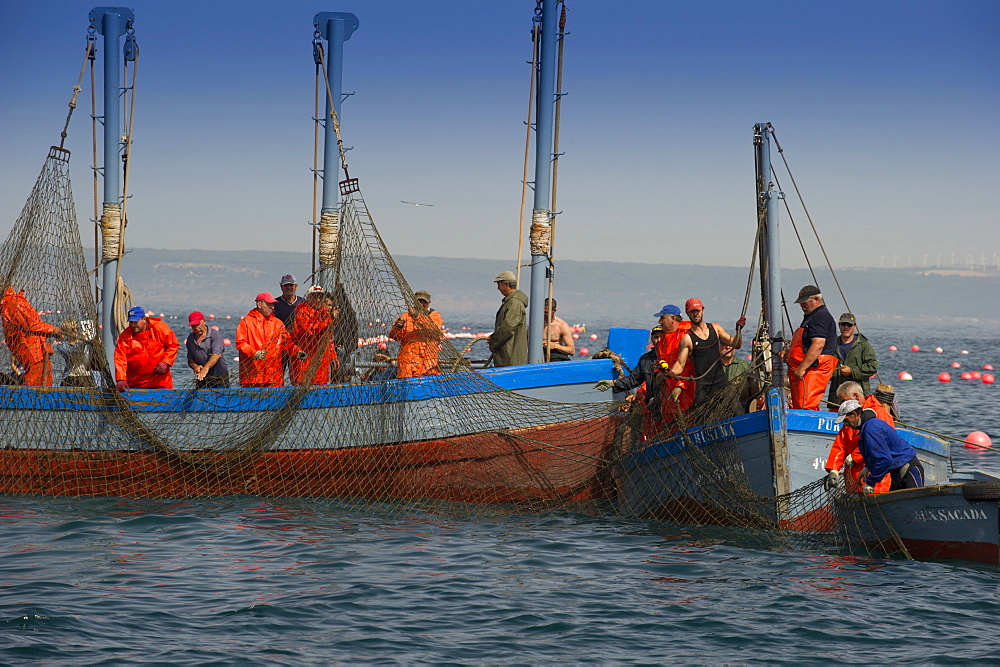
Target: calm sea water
289	581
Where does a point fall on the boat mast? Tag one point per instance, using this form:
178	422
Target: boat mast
112	23
542	214
770	276
336	28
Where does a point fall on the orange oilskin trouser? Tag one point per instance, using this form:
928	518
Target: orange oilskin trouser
419	343
846	444
807	393
312	331
27	337
137	355
667	350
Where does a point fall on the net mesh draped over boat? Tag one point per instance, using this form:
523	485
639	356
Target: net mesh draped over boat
454	438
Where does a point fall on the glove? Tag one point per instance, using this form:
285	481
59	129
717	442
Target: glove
863	474
604	385
867	490
121	385
675	395
849	461
301	355
740	323
161	368
832	480
260	354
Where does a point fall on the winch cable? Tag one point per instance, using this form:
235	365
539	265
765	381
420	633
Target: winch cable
527	148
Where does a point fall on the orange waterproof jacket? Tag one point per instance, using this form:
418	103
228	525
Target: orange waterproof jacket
846	444
668	350
136	355
807	393
419	340
254	333
312	331
27	337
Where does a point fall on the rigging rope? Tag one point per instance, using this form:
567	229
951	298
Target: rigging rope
527	149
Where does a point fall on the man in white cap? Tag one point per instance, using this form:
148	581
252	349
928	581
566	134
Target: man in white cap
884	450
509	340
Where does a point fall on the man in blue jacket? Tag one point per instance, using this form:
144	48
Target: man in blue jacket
884	451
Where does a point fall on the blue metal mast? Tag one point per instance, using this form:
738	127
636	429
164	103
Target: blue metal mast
336	28
112	23
770	274
542	214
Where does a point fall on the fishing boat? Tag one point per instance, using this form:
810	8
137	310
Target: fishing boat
761	469
462	435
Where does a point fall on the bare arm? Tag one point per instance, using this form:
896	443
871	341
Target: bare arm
735	340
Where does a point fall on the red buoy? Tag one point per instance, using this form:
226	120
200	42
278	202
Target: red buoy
965	351
576	336
584	351
987	367
226	341
976	375
944	377
903	375
593	336
229	317
977	438
988	378
939	350
893	348
215	328
955	364
211	316
966	375
915	348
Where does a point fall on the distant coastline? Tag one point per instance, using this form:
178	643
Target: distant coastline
622	291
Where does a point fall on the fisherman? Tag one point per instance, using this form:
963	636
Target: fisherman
732	365
706	338
884	450
509	340
144	353
289	301
27	337
312	332
419	332
261	340
856	360
811	359
642	374
205	354
674	359
77	356
844	451
557	337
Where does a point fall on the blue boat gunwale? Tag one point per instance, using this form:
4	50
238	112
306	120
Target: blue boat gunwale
802	421
13	397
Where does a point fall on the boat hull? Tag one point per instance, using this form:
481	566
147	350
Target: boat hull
930	522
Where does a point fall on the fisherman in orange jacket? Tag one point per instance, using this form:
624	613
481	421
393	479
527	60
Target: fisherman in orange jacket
261	339
845	452
144	353
419	333
27	337
811	360
674	354
312	331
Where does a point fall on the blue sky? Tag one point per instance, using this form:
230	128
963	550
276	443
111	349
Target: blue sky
889	113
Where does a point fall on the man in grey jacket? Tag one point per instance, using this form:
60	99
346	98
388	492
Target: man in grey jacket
509	340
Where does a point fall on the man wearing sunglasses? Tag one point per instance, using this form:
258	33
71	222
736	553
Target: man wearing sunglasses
856	360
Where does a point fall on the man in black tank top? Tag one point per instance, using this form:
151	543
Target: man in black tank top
708	339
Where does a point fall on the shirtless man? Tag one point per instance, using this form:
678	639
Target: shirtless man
557	337
707	339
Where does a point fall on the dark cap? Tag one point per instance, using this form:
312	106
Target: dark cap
288	279
655	330
806	292
422	295
847	318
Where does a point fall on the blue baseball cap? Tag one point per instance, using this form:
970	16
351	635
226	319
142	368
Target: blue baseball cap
136	313
668	309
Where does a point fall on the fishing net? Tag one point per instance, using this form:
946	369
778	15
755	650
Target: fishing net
450	437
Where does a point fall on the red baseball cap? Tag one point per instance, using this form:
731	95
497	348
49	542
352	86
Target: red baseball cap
265	296
195	318
693	304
